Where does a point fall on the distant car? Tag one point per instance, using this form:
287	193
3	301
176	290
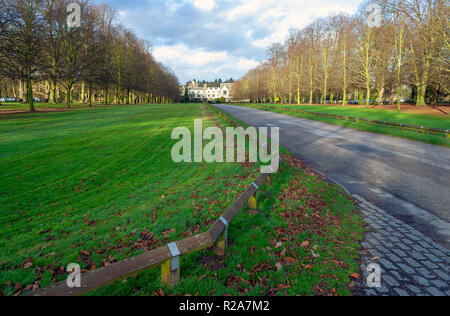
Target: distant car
37	99
2	100
11	100
352	102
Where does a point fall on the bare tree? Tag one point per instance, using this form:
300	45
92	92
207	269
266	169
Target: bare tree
21	45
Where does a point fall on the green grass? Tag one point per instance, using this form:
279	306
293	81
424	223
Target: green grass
97	186
17	106
259	240
374	114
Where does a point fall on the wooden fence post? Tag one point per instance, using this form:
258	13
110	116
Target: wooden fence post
221	246
268	180
170	270
253	202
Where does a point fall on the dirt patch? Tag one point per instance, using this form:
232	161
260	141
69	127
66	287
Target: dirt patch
413	109
213	263
441	110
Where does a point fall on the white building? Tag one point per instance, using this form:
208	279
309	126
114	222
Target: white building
205	93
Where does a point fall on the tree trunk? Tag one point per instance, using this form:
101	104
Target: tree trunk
325	80
82	98
421	92
90	93
392	94
381	95
30	94
118	95
436	95
14	90
69	96
368	94
345	85
49	94
22	91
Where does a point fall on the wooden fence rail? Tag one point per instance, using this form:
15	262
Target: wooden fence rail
168	257
420	129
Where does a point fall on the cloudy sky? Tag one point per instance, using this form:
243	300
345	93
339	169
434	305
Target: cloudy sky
208	39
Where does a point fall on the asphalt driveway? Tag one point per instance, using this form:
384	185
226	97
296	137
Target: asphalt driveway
408	179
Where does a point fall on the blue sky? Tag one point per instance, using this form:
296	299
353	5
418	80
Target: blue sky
208	39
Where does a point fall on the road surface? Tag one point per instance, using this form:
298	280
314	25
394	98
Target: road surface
408	179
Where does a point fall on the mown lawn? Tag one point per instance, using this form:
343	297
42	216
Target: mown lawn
374	114
96	186
22	107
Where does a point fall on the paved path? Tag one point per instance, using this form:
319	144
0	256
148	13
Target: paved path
411	263
408	179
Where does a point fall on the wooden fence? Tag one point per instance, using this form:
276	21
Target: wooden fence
420	129
167	257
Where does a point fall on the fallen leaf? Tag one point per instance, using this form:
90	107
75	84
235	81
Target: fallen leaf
279	266
28	265
290	260
305	244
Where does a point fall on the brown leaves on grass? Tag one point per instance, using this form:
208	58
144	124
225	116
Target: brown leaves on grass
84	253
160	292
294	162
290	261
322	290
236	281
27	265
212	263
168	232
307	212
355	276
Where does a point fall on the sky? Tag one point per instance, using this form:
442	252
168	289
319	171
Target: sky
209	39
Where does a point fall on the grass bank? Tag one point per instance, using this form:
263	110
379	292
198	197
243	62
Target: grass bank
97	186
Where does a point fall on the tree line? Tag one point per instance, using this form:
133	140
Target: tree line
343	58
43	54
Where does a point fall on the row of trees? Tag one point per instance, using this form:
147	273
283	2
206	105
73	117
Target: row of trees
344	57
45	52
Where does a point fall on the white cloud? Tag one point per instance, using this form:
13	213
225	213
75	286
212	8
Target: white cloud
209	36
202	64
281	16
206	5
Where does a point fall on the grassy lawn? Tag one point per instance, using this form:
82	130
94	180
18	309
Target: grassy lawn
17	106
375	114
97	186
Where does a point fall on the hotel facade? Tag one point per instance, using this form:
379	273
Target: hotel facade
203	93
